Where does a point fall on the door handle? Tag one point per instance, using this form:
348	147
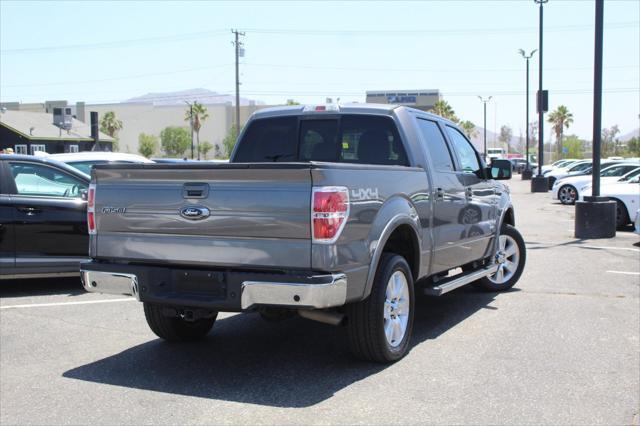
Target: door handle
30	211
439	194
468	192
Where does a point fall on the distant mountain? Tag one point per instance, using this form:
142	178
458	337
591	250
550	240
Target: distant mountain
203	96
630	135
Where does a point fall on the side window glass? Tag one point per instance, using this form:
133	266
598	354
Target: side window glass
371	140
318	140
436	146
44	181
465	151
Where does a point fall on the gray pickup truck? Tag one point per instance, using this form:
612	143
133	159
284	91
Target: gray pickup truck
338	214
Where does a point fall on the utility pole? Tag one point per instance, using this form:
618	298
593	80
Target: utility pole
484	127
527	174
239	53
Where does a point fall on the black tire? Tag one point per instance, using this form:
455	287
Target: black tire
551	181
489	285
367	338
571	195
622	215
176	329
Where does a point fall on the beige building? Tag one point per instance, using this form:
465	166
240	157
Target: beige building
148	118
151	119
419	99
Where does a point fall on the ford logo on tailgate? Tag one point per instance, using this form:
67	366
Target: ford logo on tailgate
194	212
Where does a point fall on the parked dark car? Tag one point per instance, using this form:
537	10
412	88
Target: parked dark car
43	230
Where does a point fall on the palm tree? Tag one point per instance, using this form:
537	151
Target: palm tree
111	126
468	128
200	114
561	119
444	110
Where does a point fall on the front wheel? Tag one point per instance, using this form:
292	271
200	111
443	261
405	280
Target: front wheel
380	326
622	216
511	258
567	194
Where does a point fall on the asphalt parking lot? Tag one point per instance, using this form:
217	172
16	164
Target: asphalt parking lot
562	348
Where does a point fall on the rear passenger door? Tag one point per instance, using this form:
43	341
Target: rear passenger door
449	199
479	215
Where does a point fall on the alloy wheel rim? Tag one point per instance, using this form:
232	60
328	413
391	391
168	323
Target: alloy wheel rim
567	194
508	258
396	309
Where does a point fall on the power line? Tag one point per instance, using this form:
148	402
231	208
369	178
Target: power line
129	77
309	32
116	43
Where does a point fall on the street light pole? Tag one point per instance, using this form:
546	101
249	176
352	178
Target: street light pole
596	215
484	127
540	183
526	173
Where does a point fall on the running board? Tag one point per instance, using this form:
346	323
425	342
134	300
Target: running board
459	281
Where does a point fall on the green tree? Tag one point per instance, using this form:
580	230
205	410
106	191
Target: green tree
205	148
229	141
633	147
468	128
175	140
198	113
505	136
444	110
147	144
292	102
110	125
560	119
610	141
574	146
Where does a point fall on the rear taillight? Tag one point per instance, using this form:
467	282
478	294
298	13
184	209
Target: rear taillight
91	209
330	210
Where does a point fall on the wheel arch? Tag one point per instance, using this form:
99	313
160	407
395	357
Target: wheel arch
400	236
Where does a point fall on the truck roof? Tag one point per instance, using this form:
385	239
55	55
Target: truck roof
361	108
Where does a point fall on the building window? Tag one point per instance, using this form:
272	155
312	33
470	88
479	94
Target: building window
21	149
73	148
35	148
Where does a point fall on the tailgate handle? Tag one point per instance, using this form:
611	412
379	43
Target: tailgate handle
195	190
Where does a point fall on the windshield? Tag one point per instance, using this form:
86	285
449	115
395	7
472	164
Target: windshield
580	167
630	175
85	166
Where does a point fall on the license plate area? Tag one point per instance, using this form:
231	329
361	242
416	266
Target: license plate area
209	284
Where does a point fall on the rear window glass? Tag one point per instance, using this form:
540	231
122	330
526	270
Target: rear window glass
269	140
348	138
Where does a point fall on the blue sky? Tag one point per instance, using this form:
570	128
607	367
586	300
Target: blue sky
110	51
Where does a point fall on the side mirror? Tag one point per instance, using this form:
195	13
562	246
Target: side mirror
84	194
499	170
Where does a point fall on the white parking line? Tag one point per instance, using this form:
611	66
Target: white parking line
624	272
86	302
609	248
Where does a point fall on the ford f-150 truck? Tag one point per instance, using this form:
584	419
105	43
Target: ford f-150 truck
339	214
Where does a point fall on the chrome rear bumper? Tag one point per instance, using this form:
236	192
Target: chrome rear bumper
110	283
301	292
317	296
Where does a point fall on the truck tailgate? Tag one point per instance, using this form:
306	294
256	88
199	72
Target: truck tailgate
256	215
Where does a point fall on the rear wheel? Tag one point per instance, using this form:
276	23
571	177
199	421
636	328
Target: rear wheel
380	326
622	216
176	328
511	258
567	194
